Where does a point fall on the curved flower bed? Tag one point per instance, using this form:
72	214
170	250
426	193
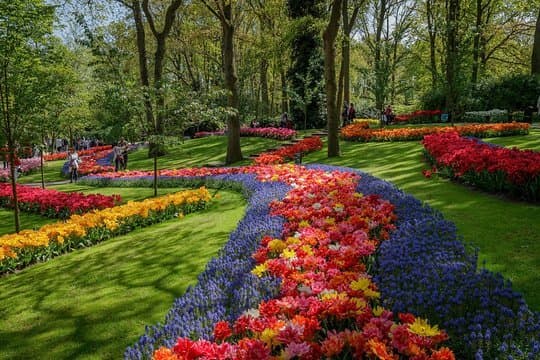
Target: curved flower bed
355	132
30	246
419	116
491	168
54	203
267	132
279	156
423	268
63	154
26	166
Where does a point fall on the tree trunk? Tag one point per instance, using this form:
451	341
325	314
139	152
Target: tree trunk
452	53
380	85
284	95
12	170
143	65
476	42
432	32
535	62
329	39
234	151
264	87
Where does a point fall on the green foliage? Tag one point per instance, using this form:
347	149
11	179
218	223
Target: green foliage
433	99
514	92
306	72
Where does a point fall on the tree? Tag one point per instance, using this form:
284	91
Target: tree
153	87
535	60
344	84
227	15
23	26
452	55
332	108
306	62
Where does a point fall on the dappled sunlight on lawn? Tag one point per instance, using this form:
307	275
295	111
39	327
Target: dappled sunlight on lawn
74	304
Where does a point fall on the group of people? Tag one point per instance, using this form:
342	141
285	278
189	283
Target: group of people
388	115
120	159
348	114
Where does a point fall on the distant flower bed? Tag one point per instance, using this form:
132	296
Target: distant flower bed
355	132
491	168
366	123
423	269
63	154
54	203
419	116
267	132
26	166
30	246
202	134
92	163
279	156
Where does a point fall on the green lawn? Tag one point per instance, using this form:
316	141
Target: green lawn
505	231
51	172
92	304
27	221
198	152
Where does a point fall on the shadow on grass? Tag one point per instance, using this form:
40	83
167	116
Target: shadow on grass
93	303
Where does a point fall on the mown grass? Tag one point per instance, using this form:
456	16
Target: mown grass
198	152
505	231
51	173
93	303
27	221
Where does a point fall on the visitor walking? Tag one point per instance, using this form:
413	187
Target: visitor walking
345	115
351	113
118	157
73	163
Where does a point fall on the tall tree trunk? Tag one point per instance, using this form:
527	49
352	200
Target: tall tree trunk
380	83
234	151
432	32
264	87
329	39
452	54
476	41
535	61
8	132
143	65
284	91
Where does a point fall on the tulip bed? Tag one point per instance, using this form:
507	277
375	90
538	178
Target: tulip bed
356	132
30	246
279	156
54	203
488	167
267	132
423	268
63	154
419	116
26	166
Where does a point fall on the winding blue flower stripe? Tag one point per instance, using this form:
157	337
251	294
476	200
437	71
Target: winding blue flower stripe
226	288
426	269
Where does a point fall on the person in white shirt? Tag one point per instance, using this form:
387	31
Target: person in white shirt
73	162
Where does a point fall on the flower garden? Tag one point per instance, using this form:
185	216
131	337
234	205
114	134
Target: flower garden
327	262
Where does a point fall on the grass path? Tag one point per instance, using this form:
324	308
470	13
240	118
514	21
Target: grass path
92	304
505	231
